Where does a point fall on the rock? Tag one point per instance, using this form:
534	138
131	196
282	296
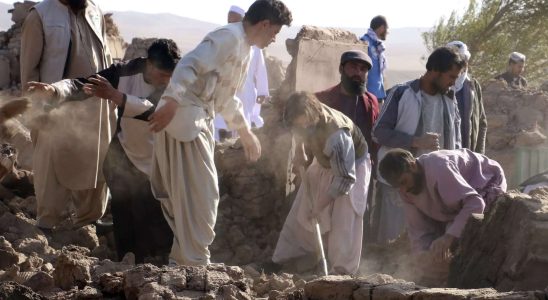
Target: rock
88	293
108	266
232	292
40	281
112	284
331	287
32	263
8	258
29	245
71	269
136	278
504	250
13	291
15	227
85	236
154	291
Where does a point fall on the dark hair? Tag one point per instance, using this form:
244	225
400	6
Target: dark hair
273	10
394	164
301	103
377	22
443	59
164	54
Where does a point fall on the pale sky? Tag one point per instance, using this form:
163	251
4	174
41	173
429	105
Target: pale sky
335	13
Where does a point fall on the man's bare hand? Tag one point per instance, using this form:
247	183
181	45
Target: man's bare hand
161	118
101	87
440	248
40	89
429	141
251	144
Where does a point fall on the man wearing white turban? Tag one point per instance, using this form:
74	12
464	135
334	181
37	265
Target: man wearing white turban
514	71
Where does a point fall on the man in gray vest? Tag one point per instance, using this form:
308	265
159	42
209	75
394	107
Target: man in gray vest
67	39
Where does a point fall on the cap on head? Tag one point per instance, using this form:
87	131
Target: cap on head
356	55
237	10
460	48
517	57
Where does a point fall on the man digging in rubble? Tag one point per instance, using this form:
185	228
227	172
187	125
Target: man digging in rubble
334	189
204	82
135	87
352	98
513	75
440	191
67	39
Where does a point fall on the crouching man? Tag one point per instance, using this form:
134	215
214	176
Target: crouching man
440	191
333	190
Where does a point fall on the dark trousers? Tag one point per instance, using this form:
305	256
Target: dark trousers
139	224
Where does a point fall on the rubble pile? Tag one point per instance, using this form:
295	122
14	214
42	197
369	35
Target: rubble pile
517	120
10	48
275	70
506	249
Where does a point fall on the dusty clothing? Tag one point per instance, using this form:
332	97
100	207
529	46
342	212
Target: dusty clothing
458	183
139	225
363	110
70	149
472	114
340	217
183	174
256	84
516	82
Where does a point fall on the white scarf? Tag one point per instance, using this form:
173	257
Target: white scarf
379	45
459	83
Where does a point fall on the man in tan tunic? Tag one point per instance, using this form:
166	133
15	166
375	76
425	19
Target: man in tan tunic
67	39
204	82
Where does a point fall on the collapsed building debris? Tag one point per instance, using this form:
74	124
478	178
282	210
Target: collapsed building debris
517	123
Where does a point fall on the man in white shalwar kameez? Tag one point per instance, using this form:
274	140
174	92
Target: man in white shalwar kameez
334	189
255	89
204	82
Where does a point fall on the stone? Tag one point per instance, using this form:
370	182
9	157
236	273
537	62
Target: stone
40	281
112	284
136	278
10	290
331	287
8	258
71	269
85	236
504	250
88	293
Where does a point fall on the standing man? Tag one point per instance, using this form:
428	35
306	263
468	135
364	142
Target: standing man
135	86
473	126
255	89
352	98
334	189
205	81
376	34
514	71
420	116
67	39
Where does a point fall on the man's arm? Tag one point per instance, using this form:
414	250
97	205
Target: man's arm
32	44
384	132
340	150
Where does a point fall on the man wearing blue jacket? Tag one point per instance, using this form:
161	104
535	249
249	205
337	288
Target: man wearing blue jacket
374	37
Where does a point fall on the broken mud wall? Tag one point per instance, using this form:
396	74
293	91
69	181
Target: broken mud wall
517	123
138	48
507	248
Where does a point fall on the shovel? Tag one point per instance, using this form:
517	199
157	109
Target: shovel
315	223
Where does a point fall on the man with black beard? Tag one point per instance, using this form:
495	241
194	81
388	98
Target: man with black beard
440	191
67	39
420	116
351	97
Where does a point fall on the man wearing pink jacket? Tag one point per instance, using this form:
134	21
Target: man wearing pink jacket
440	191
